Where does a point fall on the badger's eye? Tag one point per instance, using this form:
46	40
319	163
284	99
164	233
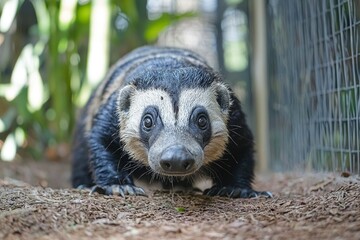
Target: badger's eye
202	121
148	122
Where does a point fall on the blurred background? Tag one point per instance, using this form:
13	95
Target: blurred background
295	65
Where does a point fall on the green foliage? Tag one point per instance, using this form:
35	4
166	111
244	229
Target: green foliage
44	48
180	209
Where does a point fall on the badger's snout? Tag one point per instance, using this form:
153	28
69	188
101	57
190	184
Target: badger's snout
177	160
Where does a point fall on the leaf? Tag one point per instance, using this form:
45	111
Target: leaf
180	209
8	14
19	74
42	13
8	150
19	136
36	87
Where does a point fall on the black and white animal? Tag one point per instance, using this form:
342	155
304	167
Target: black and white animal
163	115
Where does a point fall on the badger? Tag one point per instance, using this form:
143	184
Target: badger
163	115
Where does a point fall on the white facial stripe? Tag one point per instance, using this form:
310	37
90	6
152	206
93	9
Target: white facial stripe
191	98
142	99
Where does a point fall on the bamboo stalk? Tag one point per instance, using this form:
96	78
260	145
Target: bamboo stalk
260	74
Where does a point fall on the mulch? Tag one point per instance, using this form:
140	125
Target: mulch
305	206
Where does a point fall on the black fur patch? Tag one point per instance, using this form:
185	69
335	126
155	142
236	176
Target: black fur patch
201	135
149	135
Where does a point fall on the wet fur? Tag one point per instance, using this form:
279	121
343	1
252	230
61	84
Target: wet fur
100	157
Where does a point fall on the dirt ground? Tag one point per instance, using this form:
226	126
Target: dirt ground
305	206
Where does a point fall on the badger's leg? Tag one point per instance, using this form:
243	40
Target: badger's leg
107	159
233	174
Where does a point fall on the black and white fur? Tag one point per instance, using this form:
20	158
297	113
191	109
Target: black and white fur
163	115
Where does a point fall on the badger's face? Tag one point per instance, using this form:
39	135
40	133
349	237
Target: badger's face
174	137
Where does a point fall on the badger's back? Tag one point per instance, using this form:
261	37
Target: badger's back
147	58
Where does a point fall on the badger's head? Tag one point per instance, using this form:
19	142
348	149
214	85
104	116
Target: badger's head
174	121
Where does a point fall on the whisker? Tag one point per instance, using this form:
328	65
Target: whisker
107	147
222	167
118	149
153	177
236	126
212	173
231	139
231	155
149	171
239	135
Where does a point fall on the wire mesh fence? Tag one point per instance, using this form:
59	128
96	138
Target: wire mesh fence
314	84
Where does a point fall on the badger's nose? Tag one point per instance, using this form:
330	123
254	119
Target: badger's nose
177	159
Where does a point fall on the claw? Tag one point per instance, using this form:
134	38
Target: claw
97	189
235	192
139	191
266	194
209	192
129	190
252	194
118	190
223	191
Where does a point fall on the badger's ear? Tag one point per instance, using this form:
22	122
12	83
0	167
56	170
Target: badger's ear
223	97
125	98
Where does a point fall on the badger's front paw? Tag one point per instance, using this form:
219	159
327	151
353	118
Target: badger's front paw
118	190
235	192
